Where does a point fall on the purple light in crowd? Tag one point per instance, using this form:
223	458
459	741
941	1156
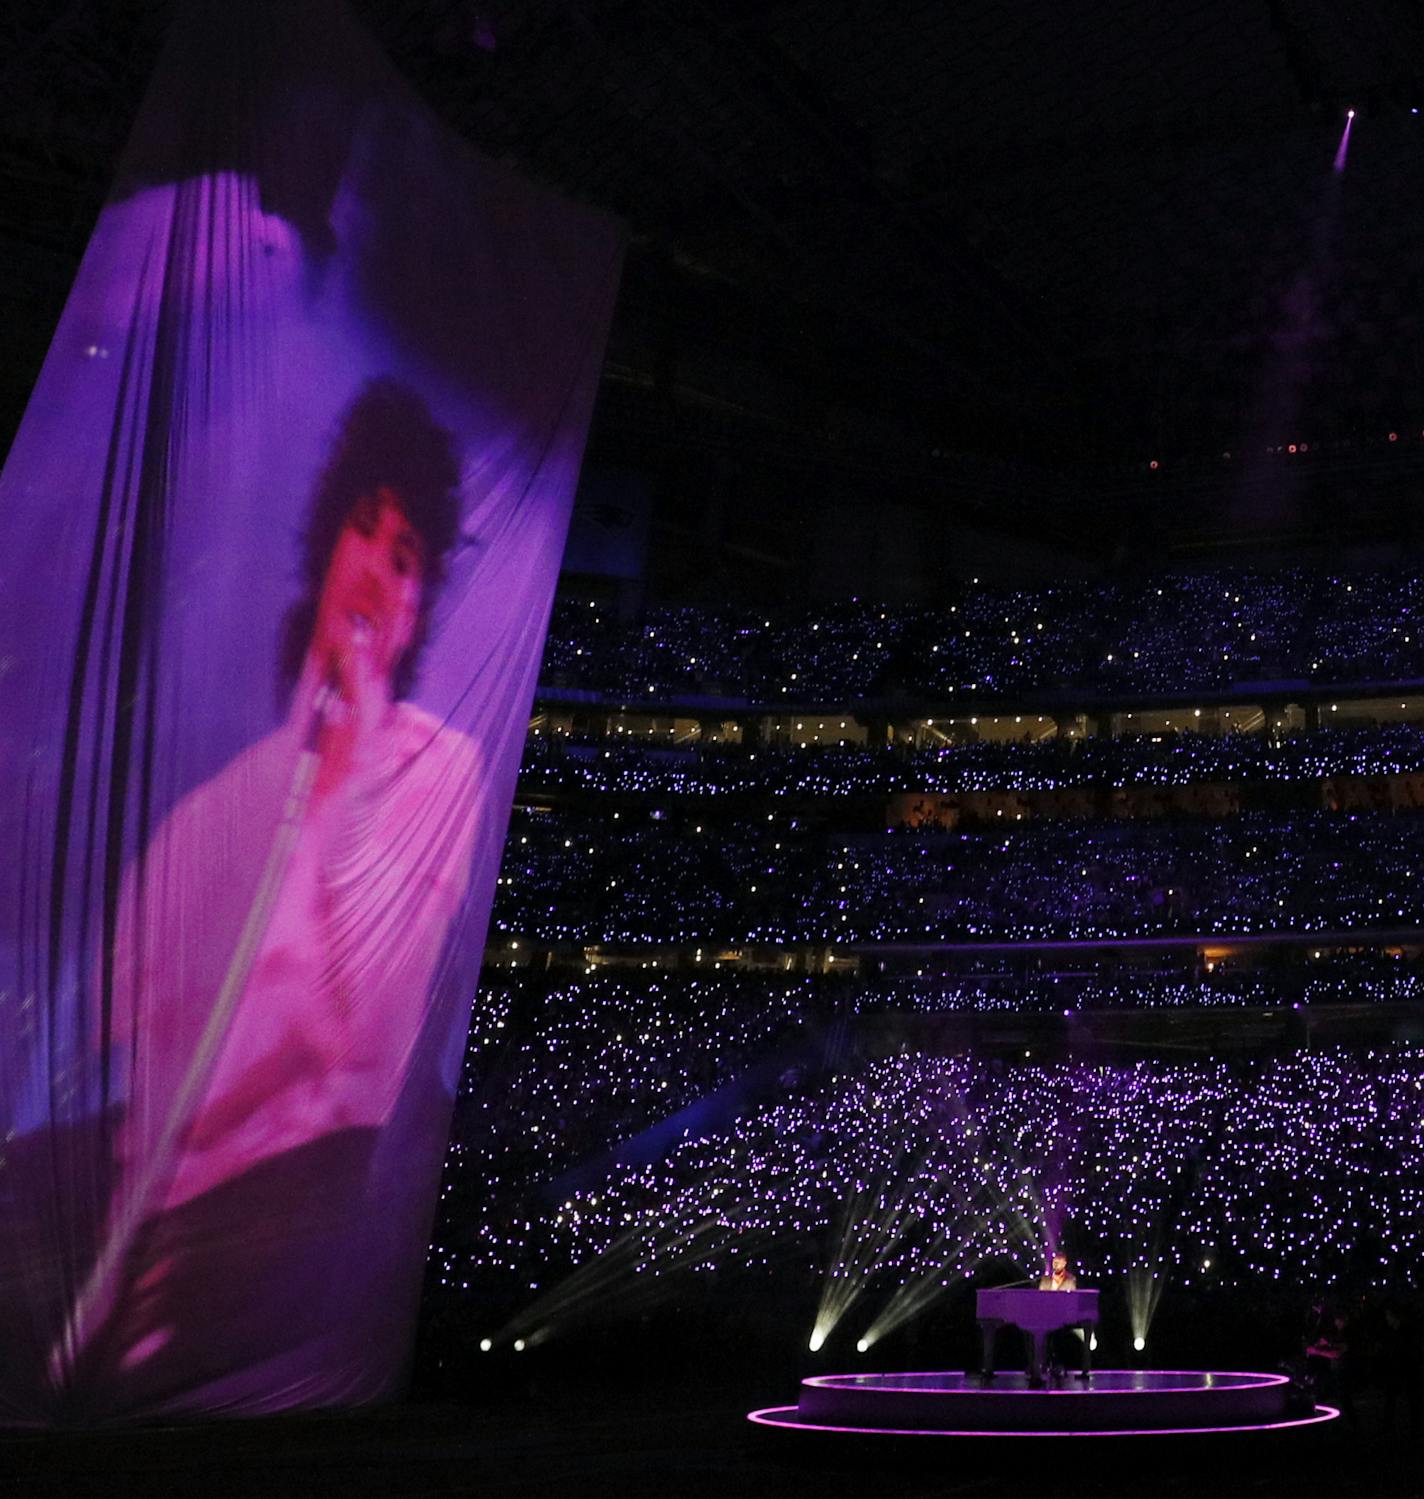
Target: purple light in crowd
1343	148
779	1172
1315	873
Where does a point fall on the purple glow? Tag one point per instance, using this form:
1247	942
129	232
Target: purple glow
880	1384
764	1417
1181	1398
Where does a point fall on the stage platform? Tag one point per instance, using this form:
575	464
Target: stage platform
1128	1403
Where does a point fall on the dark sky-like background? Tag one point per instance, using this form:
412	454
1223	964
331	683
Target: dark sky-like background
985	262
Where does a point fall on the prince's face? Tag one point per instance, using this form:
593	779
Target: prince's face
371	594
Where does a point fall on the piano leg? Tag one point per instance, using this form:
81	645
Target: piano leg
1089	1331
1038	1357
988	1330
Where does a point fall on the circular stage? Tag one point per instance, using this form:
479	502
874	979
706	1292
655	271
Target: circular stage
1109	1403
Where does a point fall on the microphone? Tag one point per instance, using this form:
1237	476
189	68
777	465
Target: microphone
332	694
326	695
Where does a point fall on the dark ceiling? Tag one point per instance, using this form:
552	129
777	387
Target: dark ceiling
1067	238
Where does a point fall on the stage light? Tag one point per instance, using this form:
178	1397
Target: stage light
519	1345
1144	1291
485	1345
862	1346
818	1339
1343	148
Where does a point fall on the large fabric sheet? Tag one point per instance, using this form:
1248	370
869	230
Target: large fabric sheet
279	533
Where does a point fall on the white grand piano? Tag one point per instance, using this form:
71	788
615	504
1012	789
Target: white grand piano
1037	1313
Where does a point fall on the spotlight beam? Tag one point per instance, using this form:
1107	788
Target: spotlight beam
919	1293
634	1269
1343	149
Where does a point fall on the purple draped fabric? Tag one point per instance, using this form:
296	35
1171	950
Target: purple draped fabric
279	535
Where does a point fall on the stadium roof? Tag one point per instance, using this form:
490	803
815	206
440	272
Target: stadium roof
1072	239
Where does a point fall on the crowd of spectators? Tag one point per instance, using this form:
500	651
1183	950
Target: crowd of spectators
1174	633
558	1071
1299	985
667	1034
553	763
678	651
584	1063
916	1170
637	879
779	1146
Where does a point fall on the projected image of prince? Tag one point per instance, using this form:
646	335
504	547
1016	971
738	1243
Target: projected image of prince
384	519
296	906
277	955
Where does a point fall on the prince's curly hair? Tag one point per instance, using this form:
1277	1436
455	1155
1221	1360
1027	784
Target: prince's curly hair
386	437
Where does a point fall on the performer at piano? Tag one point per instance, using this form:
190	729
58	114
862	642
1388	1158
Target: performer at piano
1058	1276
1060	1342
1040	1314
